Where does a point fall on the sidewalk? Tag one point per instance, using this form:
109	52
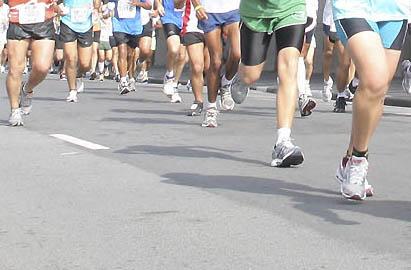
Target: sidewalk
268	83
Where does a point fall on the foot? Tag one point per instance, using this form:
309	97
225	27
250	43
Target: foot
16	118
353	185
306	105
175	97
80	85
168	88
93	76
406	73
326	92
286	154
132	85
123	88
239	91
340	104
25	100
227	102
195	109
72	97
210	118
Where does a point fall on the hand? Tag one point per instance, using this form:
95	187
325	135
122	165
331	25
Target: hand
161	10
135	3
201	14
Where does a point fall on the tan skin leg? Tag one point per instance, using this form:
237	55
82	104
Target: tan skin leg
180	63
309	62
233	35
77	60
17	60
115	59
327	57
213	42
122	59
196	56
375	70
343	69
94	56
173	49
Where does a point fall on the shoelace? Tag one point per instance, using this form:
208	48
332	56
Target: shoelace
357	173
284	146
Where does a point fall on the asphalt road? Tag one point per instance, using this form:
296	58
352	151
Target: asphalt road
168	194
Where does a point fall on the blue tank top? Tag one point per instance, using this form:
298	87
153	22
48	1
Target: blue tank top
127	18
79	15
173	15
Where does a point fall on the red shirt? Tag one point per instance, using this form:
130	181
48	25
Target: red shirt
15	5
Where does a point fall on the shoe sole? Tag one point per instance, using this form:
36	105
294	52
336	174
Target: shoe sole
293	159
369	192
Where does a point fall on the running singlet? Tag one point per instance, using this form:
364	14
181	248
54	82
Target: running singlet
373	10
4	22
190	21
173	15
270	8
312	8
127	18
79	15
30	11
222	6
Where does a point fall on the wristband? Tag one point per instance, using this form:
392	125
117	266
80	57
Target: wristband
198	7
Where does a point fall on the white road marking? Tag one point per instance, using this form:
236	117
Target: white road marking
69	154
79	142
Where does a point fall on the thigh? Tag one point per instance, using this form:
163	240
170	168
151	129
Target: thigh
213	42
17	53
290	37
84	55
254	46
171	29
196	53
233	34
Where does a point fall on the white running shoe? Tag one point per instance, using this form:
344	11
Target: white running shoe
16	118
353	185
25	100
306	105
132	84
227	102
189	87
168	88
2	69
286	154
341	175
327	90
406	73
308	91
72	97
175	97
348	95
123	87
80	85
239	91
210	118
101	77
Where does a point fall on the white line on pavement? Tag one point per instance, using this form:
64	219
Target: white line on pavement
80	142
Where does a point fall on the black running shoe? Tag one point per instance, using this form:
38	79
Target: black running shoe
195	109
93	76
340	104
353	85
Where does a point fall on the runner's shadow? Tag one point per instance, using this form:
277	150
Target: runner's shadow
187	152
149	112
318	202
148	121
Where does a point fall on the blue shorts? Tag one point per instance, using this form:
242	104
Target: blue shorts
392	33
219	19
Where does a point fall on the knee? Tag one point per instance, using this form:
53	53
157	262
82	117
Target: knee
197	68
375	87
41	68
235	55
85	66
16	69
215	64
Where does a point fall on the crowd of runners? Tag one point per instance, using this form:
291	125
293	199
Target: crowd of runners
225	44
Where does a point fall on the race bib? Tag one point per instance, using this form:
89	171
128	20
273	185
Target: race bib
105	35
32	13
125	10
79	14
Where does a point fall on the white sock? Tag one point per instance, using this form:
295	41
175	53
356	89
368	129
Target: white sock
301	76
283	134
225	81
212	105
101	67
123	79
170	74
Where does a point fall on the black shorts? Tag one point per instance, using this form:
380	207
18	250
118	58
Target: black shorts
36	31
332	36
112	42
59	42
309	29
171	29
83	39
96	36
123	38
254	45
147	30
191	38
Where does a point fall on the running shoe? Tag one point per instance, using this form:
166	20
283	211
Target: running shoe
406	72
340	104
25	100
117	77
101	77
239	91
210	118
326	92
353	185
227	102
72	97
195	109
175	97
341	175
308	91
123	88
80	85
106	72
353	85
93	76
26	70
132	85
286	154
16	118
2	69
63	77
142	77
348	95
189	87
306	105
168	88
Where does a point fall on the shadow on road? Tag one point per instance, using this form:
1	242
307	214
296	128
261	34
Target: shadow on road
187	151
311	200
149	121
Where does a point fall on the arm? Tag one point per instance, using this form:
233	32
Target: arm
159	7
145	5
179	4
97	4
200	11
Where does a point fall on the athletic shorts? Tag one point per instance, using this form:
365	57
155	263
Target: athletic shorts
332	36
171	29
59	42
392	33
147	30
216	20
124	38
112	41
254	45
309	29
96	36
36	31
83	39
104	45
191	38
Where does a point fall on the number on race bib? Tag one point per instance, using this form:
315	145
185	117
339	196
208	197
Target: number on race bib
125	9
32	13
80	14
